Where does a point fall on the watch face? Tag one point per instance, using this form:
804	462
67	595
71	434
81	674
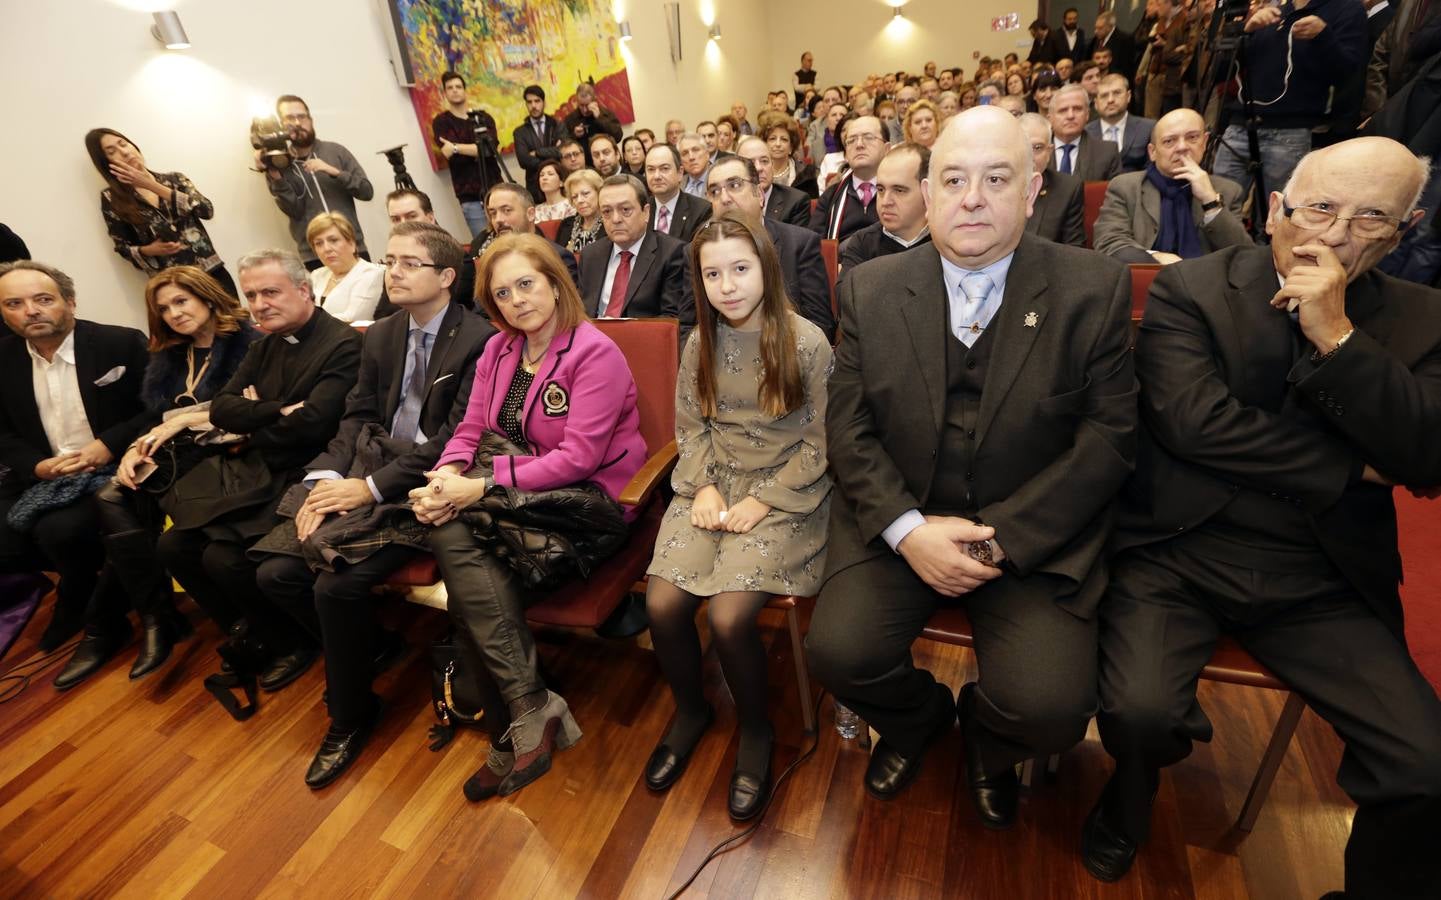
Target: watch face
980	551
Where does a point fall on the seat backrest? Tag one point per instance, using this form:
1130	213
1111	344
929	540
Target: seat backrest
1095	194
550	228
830	253
1142	274
652	349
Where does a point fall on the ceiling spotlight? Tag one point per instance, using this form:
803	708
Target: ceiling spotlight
168	31
715	32
625	30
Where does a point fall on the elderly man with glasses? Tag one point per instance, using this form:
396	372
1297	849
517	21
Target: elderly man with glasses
1284	391
849	204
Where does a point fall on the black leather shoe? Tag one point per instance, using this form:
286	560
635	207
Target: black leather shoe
156	641
1106	851
889	772
90	657
666	765
285	669
994	796
338	751
749	794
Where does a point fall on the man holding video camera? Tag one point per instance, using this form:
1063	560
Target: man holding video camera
306	176
467	138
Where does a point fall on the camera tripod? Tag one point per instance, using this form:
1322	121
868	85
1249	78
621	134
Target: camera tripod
1229	59
487	146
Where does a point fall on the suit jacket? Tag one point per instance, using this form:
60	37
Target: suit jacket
1058	400
1170	63
1214	358
690	214
1123	52
528	150
1130	218
1060	212
788	205
805	272
1094	160
1134	156
839	219
867	244
378	393
114	410
586	426
1047	49
1081	51
659	280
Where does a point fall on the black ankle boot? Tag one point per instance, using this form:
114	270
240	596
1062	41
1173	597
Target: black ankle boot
158	636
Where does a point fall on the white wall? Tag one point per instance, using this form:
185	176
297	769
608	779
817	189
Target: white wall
853	38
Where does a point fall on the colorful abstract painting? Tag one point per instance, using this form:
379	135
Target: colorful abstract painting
500	46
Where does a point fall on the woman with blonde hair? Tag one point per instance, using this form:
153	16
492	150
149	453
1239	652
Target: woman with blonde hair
582	189
345	285
922	124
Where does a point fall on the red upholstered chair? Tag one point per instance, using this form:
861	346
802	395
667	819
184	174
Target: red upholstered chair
830	253
549	228
1142	274
651	347
1095	192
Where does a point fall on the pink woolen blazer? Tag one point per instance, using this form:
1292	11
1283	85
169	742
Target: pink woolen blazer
579	417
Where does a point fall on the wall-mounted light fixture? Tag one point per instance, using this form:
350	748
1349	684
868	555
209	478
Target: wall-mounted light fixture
715	32
672	27
168	31
625	30
898	14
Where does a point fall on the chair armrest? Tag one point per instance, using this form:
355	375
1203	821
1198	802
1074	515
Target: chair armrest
644	483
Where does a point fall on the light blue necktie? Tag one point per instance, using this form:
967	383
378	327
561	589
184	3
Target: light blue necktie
977	287
407	417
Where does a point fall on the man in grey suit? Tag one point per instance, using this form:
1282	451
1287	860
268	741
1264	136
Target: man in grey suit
780	202
978	375
1174	210
673	211
1059	211
1129	133
1077	153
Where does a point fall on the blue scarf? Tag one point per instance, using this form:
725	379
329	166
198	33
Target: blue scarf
1178	232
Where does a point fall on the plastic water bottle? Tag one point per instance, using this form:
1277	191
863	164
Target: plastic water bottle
848	724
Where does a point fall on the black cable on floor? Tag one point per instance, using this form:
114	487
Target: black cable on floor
14	682
740	836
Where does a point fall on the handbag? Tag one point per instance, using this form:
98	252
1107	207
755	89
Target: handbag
452	693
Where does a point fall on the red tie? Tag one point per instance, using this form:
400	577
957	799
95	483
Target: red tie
618	286
662	219
865	188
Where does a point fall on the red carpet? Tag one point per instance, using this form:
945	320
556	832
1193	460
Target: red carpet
1420	526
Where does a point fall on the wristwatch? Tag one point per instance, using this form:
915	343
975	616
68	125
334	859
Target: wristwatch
1214	204
983	552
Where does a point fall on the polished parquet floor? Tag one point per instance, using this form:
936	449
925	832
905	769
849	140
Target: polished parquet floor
149	790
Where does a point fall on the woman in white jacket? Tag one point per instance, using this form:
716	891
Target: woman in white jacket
347	286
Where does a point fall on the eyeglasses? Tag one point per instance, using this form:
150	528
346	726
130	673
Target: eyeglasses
409	263
857	140
730	186
1368	226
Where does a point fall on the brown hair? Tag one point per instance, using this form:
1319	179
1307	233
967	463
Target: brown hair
771	120
569	309
224	309
781	390
326	221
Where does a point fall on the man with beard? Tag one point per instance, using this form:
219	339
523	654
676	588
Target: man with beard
323	177
510	210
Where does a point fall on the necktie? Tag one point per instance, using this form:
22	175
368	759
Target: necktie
407	417
1066	158
865	188
976	286
618	285
539	126
662	219
1113	134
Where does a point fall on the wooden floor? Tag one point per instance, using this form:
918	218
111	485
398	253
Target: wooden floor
150	790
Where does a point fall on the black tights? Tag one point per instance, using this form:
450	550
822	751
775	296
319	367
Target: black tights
742	658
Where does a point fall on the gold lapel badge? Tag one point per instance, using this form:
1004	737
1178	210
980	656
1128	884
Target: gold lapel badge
1032	319
555	400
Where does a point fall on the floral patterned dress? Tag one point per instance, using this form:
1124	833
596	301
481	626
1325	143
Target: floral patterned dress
744	452
177	220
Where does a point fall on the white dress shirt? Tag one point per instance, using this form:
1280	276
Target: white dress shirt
57	396
911	519
669	208
355	296
1120	127
610	268
1075	145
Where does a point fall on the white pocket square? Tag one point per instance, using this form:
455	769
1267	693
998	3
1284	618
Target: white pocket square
110	377
442	378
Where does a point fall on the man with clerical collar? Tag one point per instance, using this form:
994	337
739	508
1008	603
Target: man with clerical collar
900	204
976	375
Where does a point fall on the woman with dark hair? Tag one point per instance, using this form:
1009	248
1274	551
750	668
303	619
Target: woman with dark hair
551	179
727	130
632	157
782	135
1043	88
198	335
154	218
556	396
748	520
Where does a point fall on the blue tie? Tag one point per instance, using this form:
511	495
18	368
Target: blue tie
407	417
1066	158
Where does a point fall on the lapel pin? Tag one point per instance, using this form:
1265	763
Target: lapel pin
1032	319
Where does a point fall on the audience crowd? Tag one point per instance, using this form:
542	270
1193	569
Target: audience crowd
907	381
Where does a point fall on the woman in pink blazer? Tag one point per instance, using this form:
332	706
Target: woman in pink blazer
553	383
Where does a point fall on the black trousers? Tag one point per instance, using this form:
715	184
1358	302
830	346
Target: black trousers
221	580
131	522
1159	623
487	604
66	541
1036	691
338	609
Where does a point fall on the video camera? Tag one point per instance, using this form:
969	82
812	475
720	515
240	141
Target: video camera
272	140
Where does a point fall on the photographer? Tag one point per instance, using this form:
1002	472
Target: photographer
589	118
1294	54
310	177
459	135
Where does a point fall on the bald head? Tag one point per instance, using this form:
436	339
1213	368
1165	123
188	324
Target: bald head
981	186
1383	162
1178	135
